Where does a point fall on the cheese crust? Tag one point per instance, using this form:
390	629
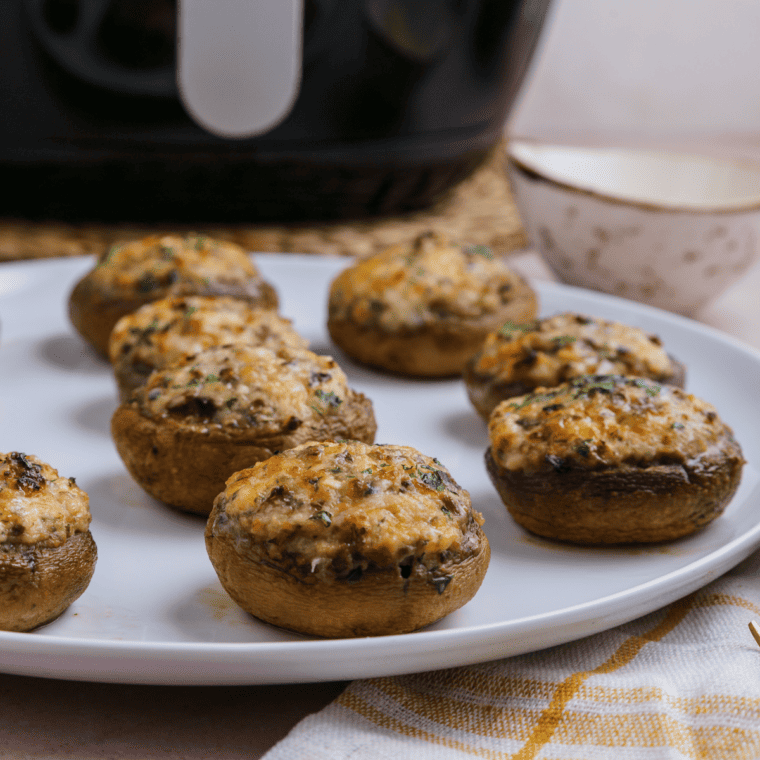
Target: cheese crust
236	387
166	331
329	508
37	506
601	421
380	537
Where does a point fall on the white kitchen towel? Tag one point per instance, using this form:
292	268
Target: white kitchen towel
678	684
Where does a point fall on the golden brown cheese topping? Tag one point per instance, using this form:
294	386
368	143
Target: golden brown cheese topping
552	350
601	421
37	506
237	387
425	282
328	504
164	331
167	264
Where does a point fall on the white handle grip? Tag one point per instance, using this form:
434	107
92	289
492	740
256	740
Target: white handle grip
239	63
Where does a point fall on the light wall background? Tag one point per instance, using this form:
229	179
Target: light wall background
646	71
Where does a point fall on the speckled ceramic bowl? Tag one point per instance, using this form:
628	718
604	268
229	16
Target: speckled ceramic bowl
668	229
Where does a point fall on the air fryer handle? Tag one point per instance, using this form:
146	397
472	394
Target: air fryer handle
239	63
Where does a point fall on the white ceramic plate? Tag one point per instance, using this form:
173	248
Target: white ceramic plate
155	612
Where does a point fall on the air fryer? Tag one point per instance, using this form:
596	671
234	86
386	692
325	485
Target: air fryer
252	110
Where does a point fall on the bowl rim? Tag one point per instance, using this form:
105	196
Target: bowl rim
533	172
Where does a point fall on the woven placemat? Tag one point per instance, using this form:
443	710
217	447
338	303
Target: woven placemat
480	209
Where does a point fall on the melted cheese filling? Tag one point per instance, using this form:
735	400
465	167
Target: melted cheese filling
169	329
239	387
550	351
320	501
410	286
37	506
160	261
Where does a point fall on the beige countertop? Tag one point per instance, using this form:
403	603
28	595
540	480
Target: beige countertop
45	718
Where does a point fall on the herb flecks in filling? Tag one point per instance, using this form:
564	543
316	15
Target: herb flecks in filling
565	346
508	329
339	511
429	281
601	421
326	400
175	263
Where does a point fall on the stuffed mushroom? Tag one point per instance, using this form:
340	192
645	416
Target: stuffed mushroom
424	308
609	459
47	553
344	539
